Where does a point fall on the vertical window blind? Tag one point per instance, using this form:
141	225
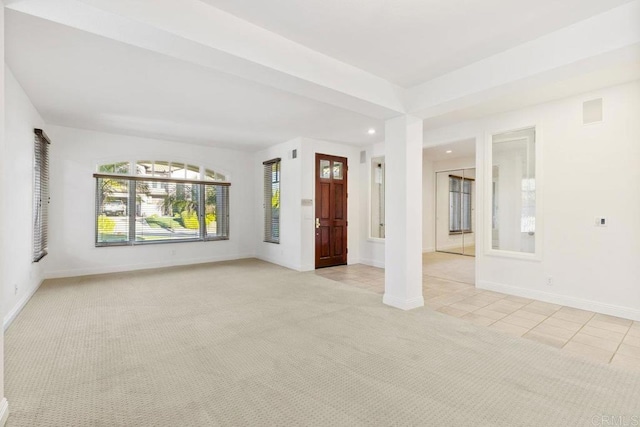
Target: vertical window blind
459	204
40	194
272	200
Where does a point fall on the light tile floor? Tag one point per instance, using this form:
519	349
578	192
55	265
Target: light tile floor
594	336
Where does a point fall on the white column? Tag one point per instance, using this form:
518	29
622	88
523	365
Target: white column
403	213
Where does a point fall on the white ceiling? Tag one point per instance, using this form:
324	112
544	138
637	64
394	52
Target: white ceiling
81	80
459	149
411	41
254	73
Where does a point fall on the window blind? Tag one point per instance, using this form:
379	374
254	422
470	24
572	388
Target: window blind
40	194
272	200
459	204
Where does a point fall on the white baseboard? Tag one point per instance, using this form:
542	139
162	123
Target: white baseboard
401	303
280	262
4	412
569	301
13	313
146	266
372	262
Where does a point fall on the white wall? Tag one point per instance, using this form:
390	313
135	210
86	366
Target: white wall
288	252
75	154
586	171
4	410
17	177
297	236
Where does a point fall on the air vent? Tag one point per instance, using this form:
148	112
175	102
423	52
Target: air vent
592	111
363	157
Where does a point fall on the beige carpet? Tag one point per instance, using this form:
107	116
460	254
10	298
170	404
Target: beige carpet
249	343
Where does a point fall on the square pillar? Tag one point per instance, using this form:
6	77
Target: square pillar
403	213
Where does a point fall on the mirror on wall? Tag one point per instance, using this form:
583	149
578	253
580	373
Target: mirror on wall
513	191
377	198
455	211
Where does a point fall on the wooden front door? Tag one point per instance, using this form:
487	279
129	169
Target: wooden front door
331	210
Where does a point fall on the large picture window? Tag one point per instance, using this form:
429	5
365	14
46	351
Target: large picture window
272	201
40	195
161	202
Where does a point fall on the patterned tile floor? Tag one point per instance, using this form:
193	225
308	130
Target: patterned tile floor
594	336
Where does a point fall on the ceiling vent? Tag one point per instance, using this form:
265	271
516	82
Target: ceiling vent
592	111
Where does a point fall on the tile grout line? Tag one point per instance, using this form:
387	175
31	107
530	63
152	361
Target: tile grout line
621	341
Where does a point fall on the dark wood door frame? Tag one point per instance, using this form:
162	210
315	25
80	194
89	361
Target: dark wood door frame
331	211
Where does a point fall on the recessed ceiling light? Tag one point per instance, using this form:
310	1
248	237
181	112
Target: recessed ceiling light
449	151
371	131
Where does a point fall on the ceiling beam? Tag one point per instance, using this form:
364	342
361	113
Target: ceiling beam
610	39
193	31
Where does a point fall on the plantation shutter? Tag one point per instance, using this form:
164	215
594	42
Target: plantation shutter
40	195
272	200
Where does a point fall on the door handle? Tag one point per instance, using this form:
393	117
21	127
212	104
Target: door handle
317	222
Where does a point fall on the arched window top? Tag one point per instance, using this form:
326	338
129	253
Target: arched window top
162	169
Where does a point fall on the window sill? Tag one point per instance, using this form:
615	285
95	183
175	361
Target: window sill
158	242
375	240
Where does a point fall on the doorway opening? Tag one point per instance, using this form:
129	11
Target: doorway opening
449	209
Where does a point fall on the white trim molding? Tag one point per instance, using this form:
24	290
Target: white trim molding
372	262
403	304
57	274
569	301
13	313
4	411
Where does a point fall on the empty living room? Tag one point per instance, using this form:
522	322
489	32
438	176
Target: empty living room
322	213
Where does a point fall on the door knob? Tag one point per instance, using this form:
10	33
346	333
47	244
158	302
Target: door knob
317	222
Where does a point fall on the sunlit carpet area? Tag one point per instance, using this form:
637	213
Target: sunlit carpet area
250	343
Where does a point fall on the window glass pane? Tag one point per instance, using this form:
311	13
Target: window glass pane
112	201
377	197
193	172
514	191
178	170
120	168
144	167
325	169
216	211
168	211
337	170
210	175
161	169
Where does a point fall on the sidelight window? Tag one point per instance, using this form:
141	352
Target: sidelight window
272	200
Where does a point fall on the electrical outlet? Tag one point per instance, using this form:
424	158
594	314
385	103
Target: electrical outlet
601	221
549	281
